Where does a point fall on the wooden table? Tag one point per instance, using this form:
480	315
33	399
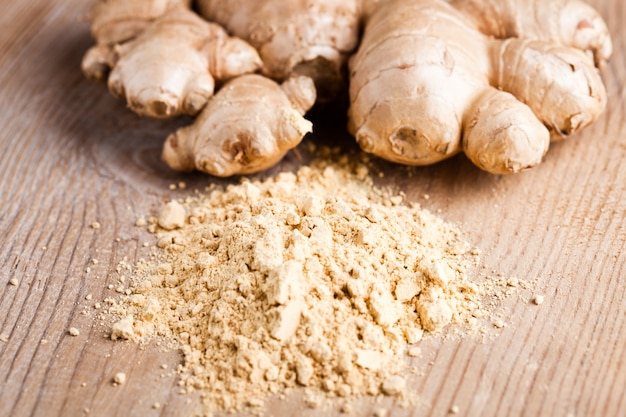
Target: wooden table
72	155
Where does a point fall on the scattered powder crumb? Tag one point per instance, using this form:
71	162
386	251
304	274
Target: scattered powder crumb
123	329
4	337
512	282
455	409
394	385
499	323
538	299
73	331
414	351
172	216
95	225
14	282
156	406
314	279
88	297
119	378
44	341
312	399
379	412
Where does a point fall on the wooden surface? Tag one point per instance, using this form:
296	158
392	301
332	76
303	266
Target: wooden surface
71	155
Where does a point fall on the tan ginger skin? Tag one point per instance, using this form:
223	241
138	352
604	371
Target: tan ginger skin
496	79
427	84
170	68
116	21
564	22
248	126
312	38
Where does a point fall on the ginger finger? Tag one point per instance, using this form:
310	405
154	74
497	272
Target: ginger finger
117	21
417	70
293	36
566	102
248	126
98	61
502	135
168	70
566	22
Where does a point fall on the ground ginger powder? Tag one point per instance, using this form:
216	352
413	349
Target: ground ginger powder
314	279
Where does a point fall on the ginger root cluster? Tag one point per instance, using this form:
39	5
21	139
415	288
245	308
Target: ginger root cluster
427	79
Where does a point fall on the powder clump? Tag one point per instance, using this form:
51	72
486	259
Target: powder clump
316	279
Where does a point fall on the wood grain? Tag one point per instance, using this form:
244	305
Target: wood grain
71	155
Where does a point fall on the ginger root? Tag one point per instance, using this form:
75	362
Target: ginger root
426	83
170	67
495	79
248	126
564	22
312	38
116	21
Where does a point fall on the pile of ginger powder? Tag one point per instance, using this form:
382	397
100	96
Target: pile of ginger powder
314	279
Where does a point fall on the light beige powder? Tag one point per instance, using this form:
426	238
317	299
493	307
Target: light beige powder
316	279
